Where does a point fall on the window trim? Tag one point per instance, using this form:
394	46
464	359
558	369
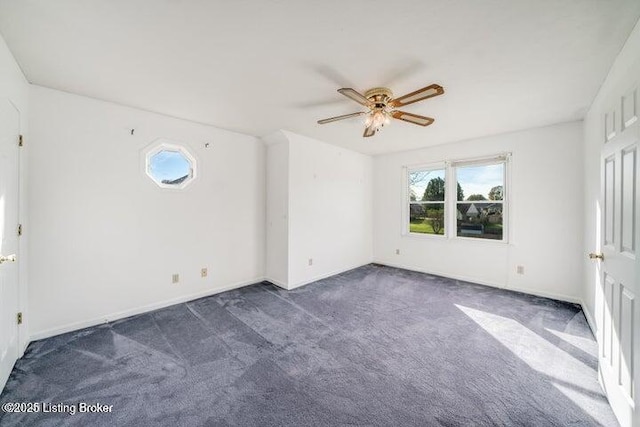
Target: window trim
160	145
451	202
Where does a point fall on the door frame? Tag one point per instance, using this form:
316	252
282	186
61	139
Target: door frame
23	335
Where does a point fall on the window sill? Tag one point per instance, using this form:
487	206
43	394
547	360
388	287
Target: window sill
475	239
425	236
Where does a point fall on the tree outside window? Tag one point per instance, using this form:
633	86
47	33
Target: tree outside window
478	206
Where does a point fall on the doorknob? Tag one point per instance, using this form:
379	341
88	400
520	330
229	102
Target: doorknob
8	258
596	256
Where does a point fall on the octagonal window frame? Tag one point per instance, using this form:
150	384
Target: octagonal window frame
161	145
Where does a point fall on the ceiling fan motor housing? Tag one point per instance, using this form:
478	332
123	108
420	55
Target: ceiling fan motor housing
380	96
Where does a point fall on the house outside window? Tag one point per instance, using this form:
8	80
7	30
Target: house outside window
480	203
471	204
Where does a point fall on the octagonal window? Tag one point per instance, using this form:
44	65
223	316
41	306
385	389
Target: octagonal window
170	166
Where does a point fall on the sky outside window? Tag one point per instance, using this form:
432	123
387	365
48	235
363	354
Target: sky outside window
480	179
169	165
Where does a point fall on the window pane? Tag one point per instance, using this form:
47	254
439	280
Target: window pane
426	185
426	218
169	167
484	182
481	220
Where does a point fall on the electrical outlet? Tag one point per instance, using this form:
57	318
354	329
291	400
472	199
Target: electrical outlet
203	272
310	261
520	269
397	251
175	278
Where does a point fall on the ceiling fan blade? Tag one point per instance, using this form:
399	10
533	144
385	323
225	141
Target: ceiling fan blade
355	95
335	119
412	118
419	95
369	131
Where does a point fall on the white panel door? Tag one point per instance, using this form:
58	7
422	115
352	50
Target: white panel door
619	335
9	187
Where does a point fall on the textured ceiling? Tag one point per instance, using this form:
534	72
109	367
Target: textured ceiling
261	65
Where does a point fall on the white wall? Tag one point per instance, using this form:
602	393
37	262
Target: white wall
105	239
319	208
14	86
277	256
330	209
545	221
623	76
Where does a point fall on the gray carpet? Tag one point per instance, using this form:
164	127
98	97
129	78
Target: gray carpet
372	346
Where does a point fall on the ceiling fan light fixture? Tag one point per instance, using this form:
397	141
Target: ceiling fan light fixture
378	118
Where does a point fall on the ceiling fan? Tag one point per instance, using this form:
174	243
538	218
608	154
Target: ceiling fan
382	107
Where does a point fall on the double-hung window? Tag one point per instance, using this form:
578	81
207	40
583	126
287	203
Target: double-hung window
458	199
480	210
427	188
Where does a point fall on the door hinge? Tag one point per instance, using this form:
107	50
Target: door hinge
19	229
20	141
19	318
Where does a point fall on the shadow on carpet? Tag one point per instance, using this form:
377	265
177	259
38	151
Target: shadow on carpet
372	346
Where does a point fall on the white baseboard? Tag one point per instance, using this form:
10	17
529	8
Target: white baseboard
550	295
324	276
590	320
440	273
559	297
24	346
277	283
70	327
314	279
